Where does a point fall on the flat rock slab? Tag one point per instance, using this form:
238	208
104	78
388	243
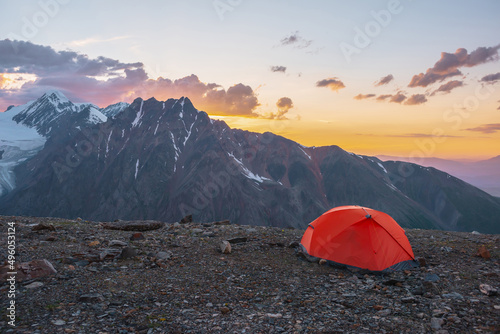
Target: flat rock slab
137	225
29	270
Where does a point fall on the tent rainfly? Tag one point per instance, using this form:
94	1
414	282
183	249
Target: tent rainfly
360	237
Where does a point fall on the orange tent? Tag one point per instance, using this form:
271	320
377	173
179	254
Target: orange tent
359	237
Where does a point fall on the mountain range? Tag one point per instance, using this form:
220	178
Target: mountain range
165	159
484	174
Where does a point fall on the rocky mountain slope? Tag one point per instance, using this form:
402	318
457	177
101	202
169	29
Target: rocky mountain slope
173	278
164	159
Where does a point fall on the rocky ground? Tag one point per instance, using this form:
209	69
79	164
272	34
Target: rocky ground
175	279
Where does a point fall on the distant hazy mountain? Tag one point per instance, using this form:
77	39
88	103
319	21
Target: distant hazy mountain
162	160
483	174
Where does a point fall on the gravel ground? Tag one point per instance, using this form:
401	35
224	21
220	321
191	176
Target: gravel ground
175	279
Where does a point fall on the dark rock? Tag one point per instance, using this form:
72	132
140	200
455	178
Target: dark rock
91	298
294	244
139	225
187	219
422	261
137	236
42	226
222	222
225	310
128	253
393	282
238	240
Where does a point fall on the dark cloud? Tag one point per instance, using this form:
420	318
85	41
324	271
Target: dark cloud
284	104
278	69
333	83
383	97
447	87
296	40
491	77
449	64
416	99
364	96
104	81
398	98
385	80
486	128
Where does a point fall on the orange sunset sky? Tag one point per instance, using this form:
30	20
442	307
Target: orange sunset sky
404	78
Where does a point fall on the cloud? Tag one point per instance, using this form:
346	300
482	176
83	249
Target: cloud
385	80
398	98
449	64
332	83
364	96
383	97
284	104
486	128
416	99
104	81
491	77
296	40
278	69
447	87
3	80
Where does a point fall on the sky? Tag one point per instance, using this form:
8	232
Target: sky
404	78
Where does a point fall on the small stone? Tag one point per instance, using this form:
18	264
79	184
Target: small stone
225	247
475	233
91	298
94	243
483	252
322	262
137	236
117	243
197	230
223	222
34	285
453	295
224	310
59	322
488	290
276	316
51	238
187	219
384	313
431	278
140	225
422	261
378	307
163	255
436	323
42	226
128	253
